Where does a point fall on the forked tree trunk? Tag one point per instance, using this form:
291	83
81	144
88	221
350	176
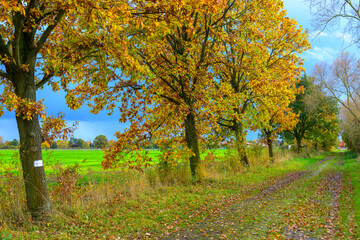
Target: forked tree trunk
192	143
240	143
30	134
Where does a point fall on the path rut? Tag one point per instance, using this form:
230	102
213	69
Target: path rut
302	205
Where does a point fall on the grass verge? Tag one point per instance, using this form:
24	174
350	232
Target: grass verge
350	196
132	204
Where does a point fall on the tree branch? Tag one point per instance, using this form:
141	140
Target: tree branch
30	5
4	75
48	31
43	81
4	49
224	14
169	98
225	125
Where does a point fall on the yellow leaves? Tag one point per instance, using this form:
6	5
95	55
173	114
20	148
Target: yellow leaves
24	108
25	67
12	6
45	145
55	127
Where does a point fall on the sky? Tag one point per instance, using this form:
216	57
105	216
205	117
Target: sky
325	47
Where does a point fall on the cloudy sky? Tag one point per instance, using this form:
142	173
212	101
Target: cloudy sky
325	47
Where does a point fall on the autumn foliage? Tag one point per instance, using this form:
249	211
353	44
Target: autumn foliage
185	68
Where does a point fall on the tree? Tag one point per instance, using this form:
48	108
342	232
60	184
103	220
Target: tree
342	81
101	141
350	130
14	142
337	13
1	141
259	68
62	144
166	94
86	144
45	145
54	145
326	128
40	40
318	114
281	119
76	143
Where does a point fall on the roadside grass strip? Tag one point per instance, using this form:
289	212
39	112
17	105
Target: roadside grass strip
301	205
127	205
350	196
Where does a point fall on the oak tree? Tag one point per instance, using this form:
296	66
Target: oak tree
260	66
163	91
40	42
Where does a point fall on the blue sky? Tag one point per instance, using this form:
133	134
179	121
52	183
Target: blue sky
325	47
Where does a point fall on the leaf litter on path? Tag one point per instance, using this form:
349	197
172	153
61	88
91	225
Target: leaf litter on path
300	205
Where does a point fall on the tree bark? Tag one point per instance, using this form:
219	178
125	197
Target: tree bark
270	146
298	142
192	143
240	143
30	134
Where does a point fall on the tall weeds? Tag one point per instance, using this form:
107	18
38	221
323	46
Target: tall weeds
73	192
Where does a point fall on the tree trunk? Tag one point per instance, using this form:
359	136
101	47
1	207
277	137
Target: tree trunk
298	142
270	146
30	134
192	143
240	143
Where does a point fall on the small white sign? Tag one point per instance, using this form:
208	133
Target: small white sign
38	163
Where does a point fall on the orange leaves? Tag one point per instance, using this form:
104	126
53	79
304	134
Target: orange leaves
24	107
55	127
260	66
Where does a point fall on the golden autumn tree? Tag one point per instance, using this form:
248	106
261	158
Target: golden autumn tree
260	60
164	92
281	118
40	42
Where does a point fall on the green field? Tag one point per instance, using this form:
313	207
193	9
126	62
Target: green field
87	159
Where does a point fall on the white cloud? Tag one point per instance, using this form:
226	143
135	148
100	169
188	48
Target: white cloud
346	37
317	34
322	54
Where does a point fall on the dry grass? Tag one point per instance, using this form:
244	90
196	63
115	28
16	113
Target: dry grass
74	194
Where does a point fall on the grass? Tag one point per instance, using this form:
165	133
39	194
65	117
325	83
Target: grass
144	205
350	197
86	158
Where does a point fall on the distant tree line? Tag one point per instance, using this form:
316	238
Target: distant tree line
14	144
99	142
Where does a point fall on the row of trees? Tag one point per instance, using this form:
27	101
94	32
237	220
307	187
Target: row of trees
341	77
342	82
8	144
99	142
182	73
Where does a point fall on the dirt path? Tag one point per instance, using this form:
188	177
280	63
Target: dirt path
302	205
